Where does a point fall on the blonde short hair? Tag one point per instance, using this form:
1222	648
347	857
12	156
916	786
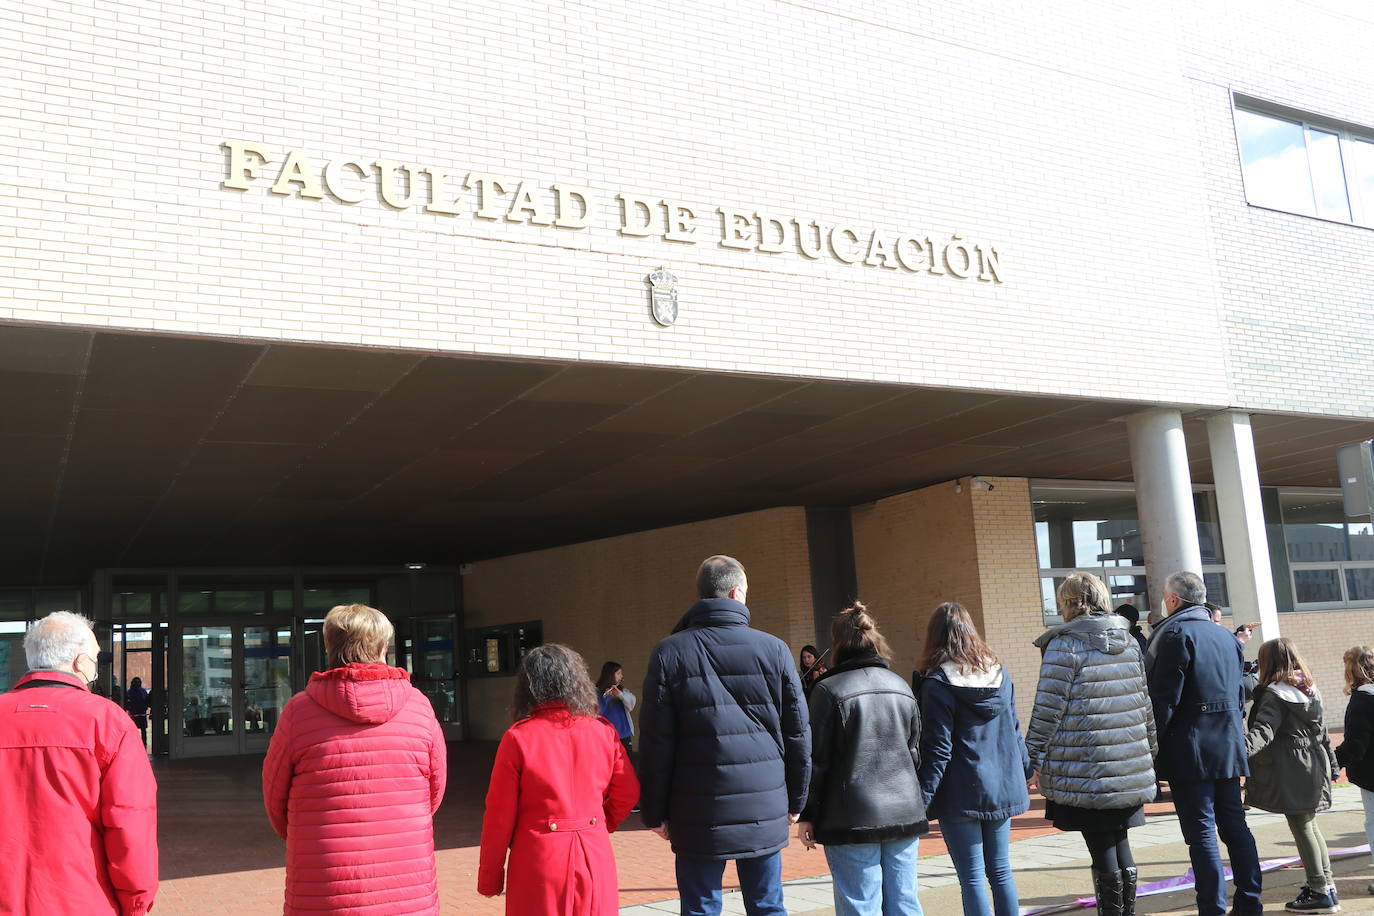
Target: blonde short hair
356	633
1083	593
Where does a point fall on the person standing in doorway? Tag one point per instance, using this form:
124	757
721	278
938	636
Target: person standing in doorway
1194	670
78	794
1091	737
615	703
136	705
725	746
865	805
974	764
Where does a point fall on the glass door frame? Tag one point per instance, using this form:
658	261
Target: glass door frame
200	746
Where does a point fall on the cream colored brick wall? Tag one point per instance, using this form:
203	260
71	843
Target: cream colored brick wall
1322	637
615	598
970	545
911	552
1009	578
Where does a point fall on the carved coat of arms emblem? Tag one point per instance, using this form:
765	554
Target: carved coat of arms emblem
663	296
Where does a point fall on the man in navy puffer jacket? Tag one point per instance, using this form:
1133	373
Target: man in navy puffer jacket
725	746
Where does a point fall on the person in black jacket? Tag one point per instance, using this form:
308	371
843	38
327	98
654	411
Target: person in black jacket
1356	752
725	746
1194	671
865	806
974	764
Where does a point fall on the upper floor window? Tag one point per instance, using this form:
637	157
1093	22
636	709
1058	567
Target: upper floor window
1305	166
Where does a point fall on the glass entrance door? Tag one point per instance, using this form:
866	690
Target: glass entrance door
235	679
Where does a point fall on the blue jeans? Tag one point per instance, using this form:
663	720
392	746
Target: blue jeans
874	878
981	851
1205	810
760	881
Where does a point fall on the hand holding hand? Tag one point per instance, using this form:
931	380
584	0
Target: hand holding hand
1033	784
806	834
661	830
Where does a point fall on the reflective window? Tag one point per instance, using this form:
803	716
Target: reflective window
1273	159
1310	169
1328	177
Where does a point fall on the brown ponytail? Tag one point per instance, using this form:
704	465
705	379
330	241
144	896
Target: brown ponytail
853	632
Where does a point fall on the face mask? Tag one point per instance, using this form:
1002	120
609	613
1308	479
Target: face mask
1163	607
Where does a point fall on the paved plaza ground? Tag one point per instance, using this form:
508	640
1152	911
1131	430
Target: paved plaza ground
220	856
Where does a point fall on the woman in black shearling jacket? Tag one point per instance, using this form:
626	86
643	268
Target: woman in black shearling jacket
865	806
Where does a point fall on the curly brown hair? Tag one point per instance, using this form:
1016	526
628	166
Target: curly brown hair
553	673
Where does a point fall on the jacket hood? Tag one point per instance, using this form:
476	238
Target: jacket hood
714	612
992	677
1306	707
367	694
1366	688
981	694
1106	633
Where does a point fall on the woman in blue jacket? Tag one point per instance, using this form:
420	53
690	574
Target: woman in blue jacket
973	762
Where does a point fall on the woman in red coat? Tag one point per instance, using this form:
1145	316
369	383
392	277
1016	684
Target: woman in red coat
352	779
560	787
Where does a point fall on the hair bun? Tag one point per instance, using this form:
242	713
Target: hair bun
858	607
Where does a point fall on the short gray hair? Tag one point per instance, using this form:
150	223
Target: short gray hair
53	642
1189	588
718	575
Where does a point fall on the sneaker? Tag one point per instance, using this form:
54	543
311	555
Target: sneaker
1369	889
1309	901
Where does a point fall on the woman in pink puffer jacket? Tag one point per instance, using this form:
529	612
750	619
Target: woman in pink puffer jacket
353	776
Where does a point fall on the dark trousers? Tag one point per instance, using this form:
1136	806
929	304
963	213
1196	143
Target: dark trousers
1207	809
760	882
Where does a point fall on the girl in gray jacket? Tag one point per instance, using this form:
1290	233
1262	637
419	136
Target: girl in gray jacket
1091	738
1292	765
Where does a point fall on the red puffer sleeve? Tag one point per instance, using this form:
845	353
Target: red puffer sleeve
128	814
278	768
438	764
498	822
623	790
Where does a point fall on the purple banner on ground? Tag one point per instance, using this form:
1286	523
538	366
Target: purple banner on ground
1183	882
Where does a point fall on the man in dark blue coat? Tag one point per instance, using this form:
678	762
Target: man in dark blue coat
725	746
1194	670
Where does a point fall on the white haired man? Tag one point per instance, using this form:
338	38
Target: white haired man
75	785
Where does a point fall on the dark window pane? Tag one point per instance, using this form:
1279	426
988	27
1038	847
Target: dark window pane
1314	585
1216	588
1360	584
1314	527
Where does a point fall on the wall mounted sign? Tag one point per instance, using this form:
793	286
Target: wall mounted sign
487	196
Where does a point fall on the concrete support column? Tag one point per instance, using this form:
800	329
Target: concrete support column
1163	498
1245	541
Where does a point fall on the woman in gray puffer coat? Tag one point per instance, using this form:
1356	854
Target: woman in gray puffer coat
1091	738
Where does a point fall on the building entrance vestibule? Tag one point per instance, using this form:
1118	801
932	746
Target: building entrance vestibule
221	651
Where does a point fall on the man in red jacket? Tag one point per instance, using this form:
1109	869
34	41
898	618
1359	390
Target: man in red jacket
78	794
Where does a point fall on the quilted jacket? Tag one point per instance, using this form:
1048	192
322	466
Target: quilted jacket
353	776
725	741
1092	731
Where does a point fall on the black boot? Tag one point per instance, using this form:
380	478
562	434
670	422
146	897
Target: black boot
1128	885
1109	887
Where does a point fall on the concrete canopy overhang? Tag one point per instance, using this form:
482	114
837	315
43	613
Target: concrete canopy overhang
135	450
